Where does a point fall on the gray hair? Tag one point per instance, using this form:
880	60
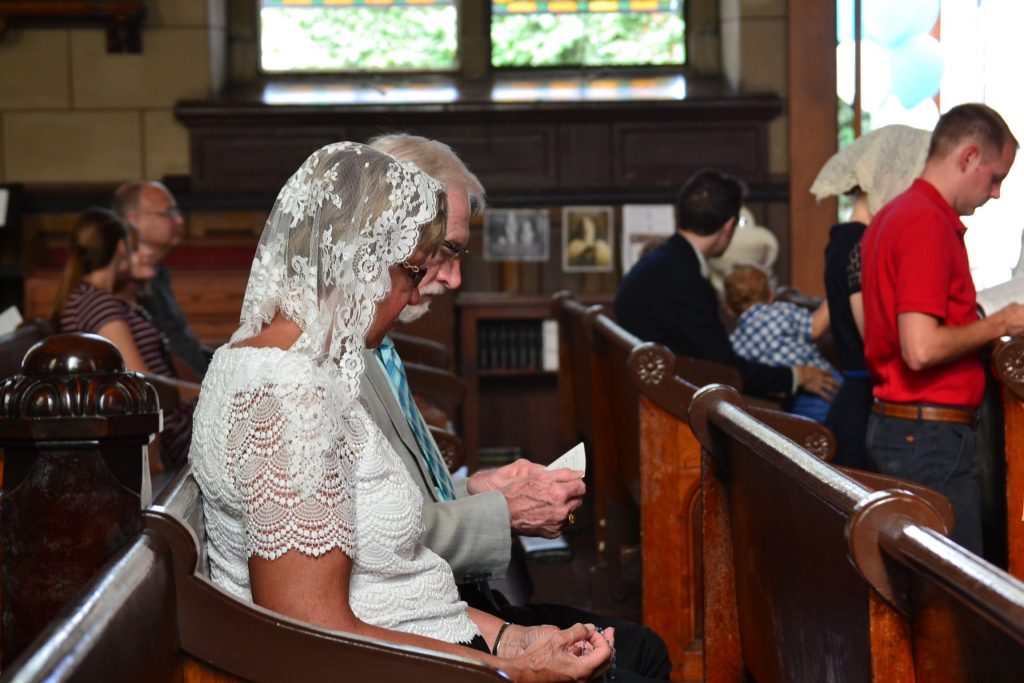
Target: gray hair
436	159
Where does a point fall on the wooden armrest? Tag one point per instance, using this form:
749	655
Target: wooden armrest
699	372
883	482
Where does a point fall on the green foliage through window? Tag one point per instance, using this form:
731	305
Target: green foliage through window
313	36
324	39
588	38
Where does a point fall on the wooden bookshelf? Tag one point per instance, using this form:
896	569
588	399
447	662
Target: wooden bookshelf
507	407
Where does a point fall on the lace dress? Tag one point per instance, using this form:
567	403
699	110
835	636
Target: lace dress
282	468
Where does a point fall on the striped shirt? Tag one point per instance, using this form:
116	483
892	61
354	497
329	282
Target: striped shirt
89	308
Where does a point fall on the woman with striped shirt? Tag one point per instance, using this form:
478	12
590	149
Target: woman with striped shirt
97	280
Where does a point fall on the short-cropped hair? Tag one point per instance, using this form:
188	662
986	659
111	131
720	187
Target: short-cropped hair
973	121
746	284
707	200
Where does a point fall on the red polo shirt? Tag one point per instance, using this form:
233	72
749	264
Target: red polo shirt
914	260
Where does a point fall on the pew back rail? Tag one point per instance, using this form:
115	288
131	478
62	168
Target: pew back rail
155	596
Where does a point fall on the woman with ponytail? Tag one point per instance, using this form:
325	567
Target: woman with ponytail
98	271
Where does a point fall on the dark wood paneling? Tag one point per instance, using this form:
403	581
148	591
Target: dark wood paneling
664	155
257	162
589	156
592	149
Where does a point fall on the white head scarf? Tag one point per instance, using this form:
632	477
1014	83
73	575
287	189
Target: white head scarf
883	163
347	215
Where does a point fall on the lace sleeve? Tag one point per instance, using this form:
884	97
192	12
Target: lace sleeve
293	479
853	270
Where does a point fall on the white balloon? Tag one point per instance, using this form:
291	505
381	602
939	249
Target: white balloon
924	115
875	73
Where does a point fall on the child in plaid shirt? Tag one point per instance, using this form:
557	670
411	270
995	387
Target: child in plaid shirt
779	333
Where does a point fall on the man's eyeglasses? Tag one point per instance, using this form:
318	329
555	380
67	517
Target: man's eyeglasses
415	273
170	213
457	253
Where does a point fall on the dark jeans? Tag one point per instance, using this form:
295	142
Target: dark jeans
848	420
641	655
941	455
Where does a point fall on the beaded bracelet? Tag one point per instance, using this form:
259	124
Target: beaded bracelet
497	639
609	675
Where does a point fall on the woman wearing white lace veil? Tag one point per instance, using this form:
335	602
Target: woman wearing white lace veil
874	169
309	512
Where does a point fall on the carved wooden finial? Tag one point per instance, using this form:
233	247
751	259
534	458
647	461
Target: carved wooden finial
73	427
74	376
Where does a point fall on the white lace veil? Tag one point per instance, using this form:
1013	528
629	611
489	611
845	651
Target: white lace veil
347	215
883	163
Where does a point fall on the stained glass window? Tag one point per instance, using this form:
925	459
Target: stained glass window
571	33
358	35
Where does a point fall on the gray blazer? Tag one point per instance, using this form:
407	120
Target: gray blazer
472	533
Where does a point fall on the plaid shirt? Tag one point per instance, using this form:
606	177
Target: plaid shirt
777	334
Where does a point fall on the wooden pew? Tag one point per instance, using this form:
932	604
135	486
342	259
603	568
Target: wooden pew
574	416
810	575
670	506
1008	367
154	615
437	392
413	349
73	428
646	476
74	418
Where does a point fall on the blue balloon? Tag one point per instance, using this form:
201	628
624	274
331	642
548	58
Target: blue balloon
890	22
916	69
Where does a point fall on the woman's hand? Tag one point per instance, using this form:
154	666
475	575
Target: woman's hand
578	654
518	639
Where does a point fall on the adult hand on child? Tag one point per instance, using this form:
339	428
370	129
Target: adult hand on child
816	381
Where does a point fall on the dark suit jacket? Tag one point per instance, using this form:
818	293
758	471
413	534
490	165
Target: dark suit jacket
665	299
164	311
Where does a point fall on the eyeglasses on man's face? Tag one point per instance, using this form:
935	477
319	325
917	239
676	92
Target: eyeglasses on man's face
415	273
169	213
455	252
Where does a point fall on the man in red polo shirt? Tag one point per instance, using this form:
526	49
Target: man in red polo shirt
922	334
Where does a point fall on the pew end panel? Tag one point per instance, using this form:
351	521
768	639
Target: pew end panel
153	614
614	404
670	510
966	617
1008	367
782	599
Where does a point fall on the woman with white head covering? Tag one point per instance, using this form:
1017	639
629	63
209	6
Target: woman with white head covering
876	168
309	511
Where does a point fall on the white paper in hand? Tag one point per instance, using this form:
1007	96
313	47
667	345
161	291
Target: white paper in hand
575	459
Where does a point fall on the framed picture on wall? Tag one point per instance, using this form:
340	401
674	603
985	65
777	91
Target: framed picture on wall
516	235
587	239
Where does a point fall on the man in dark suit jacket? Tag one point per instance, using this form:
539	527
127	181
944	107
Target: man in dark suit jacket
667	298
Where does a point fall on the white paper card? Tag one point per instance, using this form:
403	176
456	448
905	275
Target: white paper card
642	223
575	459
9	320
